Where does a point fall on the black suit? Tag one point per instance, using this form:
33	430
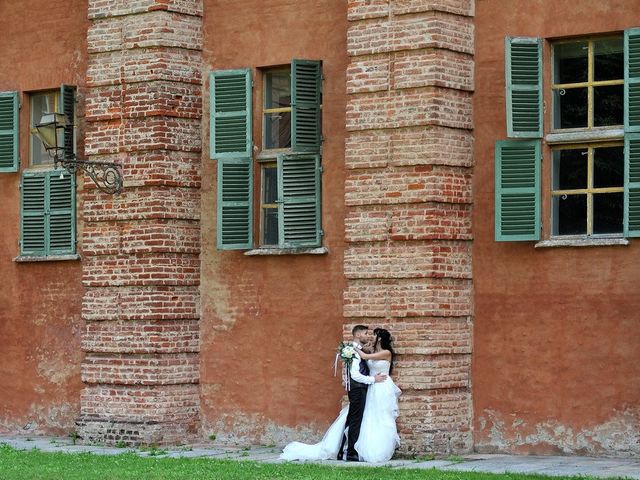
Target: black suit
357	400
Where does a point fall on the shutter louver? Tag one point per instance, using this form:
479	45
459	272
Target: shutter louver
517	190
68	100
299	205
306	92
235	204
523	69
33	218
632	185
230	114
48	214
9	131
61	213
632	80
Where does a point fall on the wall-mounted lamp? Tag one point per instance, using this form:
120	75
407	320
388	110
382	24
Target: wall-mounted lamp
51	132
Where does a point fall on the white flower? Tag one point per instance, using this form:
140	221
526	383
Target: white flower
348	351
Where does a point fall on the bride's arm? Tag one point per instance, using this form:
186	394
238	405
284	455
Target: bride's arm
381	355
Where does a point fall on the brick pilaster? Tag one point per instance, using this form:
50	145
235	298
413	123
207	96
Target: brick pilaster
409	155
141	265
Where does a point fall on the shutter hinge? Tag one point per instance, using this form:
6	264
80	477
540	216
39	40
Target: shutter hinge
321	232
321	169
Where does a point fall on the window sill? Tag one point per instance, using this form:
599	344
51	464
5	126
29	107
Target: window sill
46	258
582	136
581	242
271	154
287	251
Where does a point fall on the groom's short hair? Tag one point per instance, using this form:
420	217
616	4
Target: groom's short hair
358	328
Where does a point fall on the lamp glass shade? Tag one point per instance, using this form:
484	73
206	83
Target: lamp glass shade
50	130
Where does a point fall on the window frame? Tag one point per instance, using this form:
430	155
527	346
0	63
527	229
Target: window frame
268	157
589	191
33	121
266	111
263	206
589	84
297	208
589	137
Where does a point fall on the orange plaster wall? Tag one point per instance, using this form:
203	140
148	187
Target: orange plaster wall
43	45
557	330
270	324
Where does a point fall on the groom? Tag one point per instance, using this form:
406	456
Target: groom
360	381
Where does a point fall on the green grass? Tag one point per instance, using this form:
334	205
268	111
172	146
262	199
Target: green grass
34	464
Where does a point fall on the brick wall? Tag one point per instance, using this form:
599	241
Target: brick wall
409	155
141	267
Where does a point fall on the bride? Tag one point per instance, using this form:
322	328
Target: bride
378	433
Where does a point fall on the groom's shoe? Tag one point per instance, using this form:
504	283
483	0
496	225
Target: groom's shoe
351	458
340	456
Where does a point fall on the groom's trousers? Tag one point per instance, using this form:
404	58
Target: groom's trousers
357	399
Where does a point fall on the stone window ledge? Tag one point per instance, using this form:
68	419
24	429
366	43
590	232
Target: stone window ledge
46	258
581	242
583	136
287	251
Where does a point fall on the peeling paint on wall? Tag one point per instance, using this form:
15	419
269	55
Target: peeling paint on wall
236	429
41	419
619	435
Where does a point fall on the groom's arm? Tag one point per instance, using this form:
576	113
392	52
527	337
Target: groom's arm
357	376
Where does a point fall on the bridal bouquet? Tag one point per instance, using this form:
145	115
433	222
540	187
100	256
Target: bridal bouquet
346	352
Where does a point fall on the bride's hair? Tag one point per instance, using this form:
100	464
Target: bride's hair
383	337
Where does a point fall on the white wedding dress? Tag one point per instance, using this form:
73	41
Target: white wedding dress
378	433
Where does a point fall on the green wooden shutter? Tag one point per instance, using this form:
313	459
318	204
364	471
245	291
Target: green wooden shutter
632	185
517	190
299	207
632	80
47	202
33	231
235	203
62	217
523	69
230	113
9	106
68	100
306	93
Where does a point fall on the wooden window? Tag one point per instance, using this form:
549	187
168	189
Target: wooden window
9	138
276	111
595	164
299	201
517	194
41	103
61	101
48	223
588	83
523	70
231	144
269	204
587	194
290	157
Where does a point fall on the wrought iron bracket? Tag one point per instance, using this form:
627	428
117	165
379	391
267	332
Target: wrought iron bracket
106	175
